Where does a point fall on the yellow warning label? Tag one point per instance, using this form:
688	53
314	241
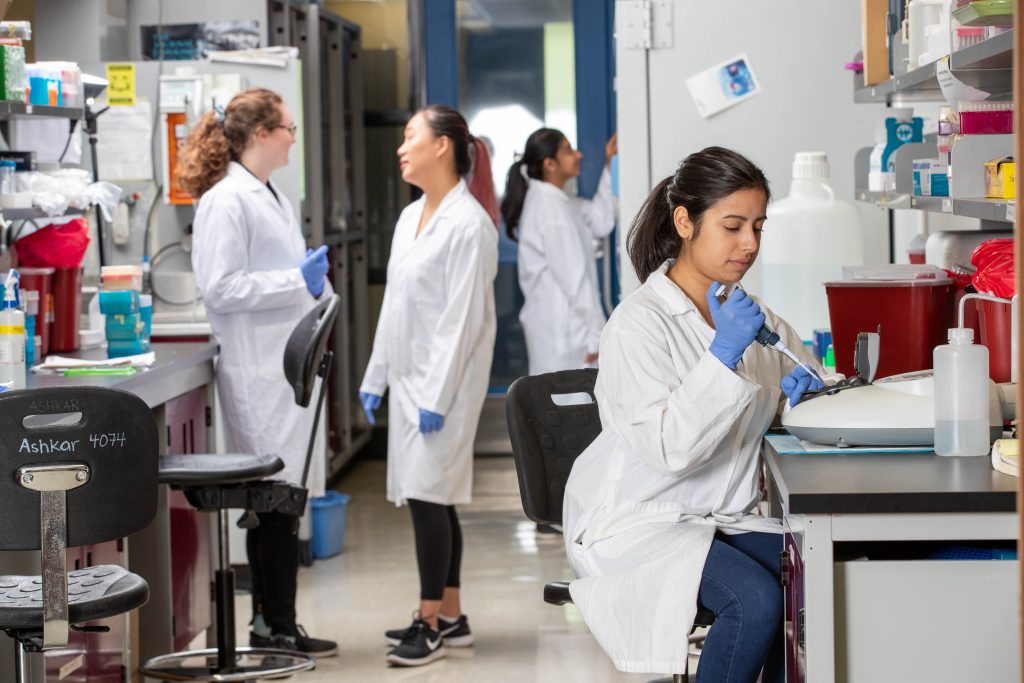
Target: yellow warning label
121	91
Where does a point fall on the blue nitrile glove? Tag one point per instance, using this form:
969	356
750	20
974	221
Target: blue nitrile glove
799	381
737	322
314	270
430	422
370	403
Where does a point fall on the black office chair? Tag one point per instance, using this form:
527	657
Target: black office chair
217	483
78	466
546	440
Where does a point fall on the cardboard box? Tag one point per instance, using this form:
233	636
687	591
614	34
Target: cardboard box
1001	178
876	37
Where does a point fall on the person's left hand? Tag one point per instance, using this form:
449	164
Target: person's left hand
430	422
799	381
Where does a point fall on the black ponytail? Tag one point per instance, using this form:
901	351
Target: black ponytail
542	144
702	180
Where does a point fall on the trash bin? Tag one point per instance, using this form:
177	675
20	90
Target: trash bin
329	524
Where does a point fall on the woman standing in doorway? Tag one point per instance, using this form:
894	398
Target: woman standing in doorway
562	316
433	349
257	280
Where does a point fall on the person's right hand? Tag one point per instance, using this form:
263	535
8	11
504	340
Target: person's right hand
314	270
370	403
737	323
611	148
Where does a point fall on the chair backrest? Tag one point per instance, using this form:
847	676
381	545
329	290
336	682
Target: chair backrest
115	438
306	348
78	466
547	437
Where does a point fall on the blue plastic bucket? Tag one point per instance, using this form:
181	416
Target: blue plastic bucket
329	524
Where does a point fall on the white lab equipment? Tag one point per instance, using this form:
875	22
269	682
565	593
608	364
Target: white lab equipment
809	236
928	28
893	411
961	393
12	335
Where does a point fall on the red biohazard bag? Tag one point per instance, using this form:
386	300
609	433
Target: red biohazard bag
55	246
994	263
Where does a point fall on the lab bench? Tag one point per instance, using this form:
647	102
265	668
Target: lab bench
859	605
174	554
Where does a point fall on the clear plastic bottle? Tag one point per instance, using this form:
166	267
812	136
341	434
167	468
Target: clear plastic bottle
961	396
12	336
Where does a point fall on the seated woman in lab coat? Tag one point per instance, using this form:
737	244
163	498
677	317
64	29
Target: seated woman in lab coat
258	280
562	315
660	511
433	349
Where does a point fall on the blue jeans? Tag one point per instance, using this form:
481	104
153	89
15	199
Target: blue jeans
741	585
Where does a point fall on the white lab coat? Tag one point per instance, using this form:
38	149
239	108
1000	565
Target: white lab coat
562	315
246	252
678	458
434	345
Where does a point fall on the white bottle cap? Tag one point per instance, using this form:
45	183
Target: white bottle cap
810	165
963	335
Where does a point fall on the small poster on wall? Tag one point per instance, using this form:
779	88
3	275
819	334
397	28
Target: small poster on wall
177	42
723	86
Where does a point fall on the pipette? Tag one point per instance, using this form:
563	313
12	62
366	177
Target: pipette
769	338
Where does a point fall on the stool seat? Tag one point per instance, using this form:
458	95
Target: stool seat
93	593
217	469
557	593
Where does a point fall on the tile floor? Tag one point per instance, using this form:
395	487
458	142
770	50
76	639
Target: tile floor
372	586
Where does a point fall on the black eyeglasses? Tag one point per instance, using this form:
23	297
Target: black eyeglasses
291	129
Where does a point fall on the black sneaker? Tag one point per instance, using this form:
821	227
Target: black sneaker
456	633
300	641
421	645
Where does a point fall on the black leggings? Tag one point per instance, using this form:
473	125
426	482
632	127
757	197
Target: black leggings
273	550
438	547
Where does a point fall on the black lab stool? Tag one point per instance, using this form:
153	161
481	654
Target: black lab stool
218	483
78	466
546	440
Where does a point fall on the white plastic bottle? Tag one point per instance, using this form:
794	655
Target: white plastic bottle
961	395
808	238
12	335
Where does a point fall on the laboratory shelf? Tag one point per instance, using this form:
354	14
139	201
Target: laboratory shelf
1003	210
34	213
937	204
12	109
987	65
886	200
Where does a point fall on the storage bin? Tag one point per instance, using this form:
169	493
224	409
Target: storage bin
994	321
329	523
911	315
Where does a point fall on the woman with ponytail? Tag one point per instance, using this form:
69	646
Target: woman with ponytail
661	510
562	315
433	349
257	280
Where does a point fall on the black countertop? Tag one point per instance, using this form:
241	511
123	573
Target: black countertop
879	483
179	367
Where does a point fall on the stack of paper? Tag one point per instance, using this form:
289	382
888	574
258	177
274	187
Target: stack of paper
1006	456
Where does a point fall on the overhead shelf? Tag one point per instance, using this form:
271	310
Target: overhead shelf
14	109
987	65
34	213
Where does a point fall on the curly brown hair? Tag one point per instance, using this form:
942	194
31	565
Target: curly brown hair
212	143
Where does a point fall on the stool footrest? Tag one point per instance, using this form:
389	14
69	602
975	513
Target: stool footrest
267	662
259	496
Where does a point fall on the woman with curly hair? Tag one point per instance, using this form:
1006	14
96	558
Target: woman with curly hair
257	280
